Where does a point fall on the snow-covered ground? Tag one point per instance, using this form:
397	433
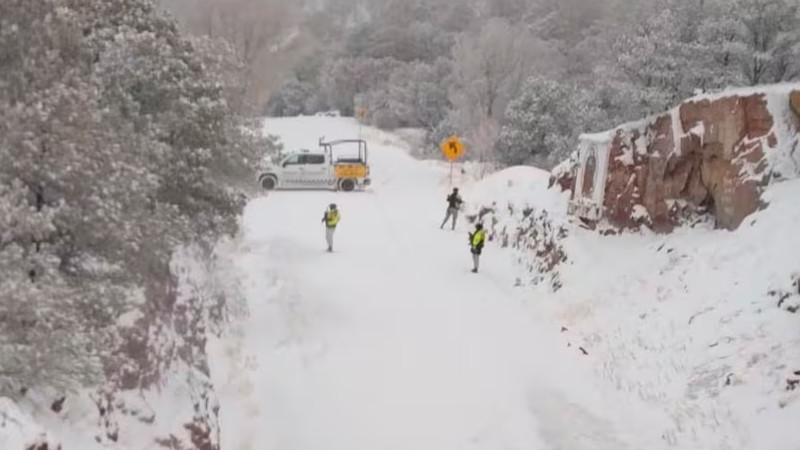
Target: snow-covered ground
701	325
390	342
690	323
684	341
18	430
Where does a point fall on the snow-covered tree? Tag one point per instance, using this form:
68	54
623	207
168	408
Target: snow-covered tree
489	68
292	99
414	96
661	66
759	37
341	80
117	144
544	123
264	34
637	56
301	92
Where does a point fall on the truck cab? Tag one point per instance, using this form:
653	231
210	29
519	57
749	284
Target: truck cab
330	168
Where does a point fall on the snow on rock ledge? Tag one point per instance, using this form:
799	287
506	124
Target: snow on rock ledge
712	153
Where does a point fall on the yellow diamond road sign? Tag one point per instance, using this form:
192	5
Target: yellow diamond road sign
452	148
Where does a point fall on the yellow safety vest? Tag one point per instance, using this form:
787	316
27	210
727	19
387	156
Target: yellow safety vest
478	238
332	218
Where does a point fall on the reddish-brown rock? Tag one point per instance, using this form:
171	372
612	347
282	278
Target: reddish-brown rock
733	130
794	102
705	155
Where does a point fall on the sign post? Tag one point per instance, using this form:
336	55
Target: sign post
361	114
452	149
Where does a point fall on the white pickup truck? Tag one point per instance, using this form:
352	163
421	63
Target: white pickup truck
320	170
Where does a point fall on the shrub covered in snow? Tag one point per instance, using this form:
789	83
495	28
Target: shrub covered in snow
521	212
544	123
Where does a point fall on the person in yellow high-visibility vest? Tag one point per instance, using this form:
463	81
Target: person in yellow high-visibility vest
476	241
330	219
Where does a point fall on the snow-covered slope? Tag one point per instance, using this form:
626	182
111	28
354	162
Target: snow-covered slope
700	326
177	410
686	322
520	186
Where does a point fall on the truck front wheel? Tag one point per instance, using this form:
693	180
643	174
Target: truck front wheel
269	182
347	184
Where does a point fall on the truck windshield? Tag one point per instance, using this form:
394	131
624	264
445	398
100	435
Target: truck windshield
293	159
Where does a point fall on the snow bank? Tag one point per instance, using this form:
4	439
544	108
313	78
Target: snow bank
521	187
698	329
18	430
698	324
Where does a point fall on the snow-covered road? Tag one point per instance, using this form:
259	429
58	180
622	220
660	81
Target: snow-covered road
390	342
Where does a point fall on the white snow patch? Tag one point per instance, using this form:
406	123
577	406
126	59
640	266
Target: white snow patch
626	158
779	88
784	161
684	323
521	187
129	318
18	430
640	213
565	167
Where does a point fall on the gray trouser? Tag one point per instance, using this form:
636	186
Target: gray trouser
329	236
451	212
475	260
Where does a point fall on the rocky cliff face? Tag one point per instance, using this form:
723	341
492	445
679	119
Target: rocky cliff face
164	360
159	394
711	154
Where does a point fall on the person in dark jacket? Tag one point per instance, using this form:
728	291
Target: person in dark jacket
453	206
476	241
